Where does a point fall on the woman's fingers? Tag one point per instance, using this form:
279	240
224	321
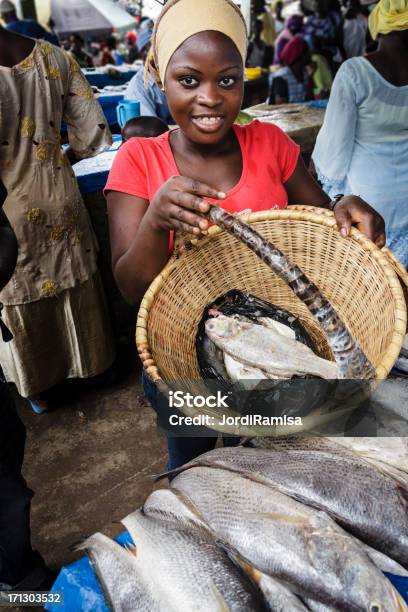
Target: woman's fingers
352	210
344	220
179	216
200	189
188	201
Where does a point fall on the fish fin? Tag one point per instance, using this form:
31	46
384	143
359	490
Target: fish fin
400	604
194	463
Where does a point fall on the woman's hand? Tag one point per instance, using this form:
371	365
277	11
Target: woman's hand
179	205
302	188
352	210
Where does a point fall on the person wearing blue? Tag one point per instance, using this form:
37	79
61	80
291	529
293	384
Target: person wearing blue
362	146
26	27
153	101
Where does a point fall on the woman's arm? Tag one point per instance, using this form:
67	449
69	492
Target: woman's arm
302	188
335	141
140	232
138	251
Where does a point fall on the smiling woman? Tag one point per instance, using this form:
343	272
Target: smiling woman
160	185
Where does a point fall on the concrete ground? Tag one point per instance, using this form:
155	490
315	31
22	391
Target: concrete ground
90	462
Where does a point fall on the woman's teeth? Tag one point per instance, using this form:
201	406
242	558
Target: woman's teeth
208	120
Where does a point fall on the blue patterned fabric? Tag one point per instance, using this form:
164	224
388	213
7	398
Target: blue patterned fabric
296	89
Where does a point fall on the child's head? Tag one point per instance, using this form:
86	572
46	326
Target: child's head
143	127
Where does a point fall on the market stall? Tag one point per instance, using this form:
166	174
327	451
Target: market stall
89	16
301	122
111	76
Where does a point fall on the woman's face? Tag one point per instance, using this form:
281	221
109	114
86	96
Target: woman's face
204	86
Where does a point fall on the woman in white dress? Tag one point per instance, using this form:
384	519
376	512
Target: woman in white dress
362	147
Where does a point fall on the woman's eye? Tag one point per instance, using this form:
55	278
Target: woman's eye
188	81
227	81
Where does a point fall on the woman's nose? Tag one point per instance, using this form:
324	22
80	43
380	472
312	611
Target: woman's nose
209	95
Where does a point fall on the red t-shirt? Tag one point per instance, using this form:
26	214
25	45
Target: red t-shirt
269	158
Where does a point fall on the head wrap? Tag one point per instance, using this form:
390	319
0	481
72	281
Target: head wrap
180	19
293	50
388	16
294	23
144	39
6	7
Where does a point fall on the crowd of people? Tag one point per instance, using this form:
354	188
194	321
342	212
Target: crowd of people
55	323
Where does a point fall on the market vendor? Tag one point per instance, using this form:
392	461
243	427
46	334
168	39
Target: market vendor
160	185
153	101
363	144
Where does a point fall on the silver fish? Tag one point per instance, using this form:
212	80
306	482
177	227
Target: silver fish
349	356
355	494
126	586
287	540
189	570
266	349
392	451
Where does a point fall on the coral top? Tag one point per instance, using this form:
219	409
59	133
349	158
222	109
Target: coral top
269	158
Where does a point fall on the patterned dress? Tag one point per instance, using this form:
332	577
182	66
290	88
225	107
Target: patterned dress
54	304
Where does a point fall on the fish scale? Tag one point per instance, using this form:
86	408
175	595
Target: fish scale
356	495
349	356
191	571
281	537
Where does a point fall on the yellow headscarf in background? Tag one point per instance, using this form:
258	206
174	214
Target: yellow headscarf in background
388	16
181	19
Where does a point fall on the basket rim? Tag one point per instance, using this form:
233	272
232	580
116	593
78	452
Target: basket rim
297	213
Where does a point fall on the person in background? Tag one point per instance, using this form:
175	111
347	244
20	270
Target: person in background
21	568
291	83
293	26
323	29
27	27
279	20
143	127
354	30
110	55
153	101
54	304
321	76
362	146
76	51
259	55
131	42
160	185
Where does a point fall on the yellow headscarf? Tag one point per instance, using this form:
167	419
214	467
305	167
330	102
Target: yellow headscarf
181	19
388	16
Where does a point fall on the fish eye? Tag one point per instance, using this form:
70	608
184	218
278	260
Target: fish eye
188	81
375	608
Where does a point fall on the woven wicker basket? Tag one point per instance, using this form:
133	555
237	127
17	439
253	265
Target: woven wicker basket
357	277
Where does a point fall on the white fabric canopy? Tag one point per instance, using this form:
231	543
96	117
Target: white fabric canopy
90	16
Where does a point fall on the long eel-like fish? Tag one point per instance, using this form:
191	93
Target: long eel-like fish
350	358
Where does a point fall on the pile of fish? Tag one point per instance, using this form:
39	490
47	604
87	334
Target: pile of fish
289	524
248	345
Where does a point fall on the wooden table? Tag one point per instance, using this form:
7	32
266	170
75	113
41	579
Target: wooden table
300	121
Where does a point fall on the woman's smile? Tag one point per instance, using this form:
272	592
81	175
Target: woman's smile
208	123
